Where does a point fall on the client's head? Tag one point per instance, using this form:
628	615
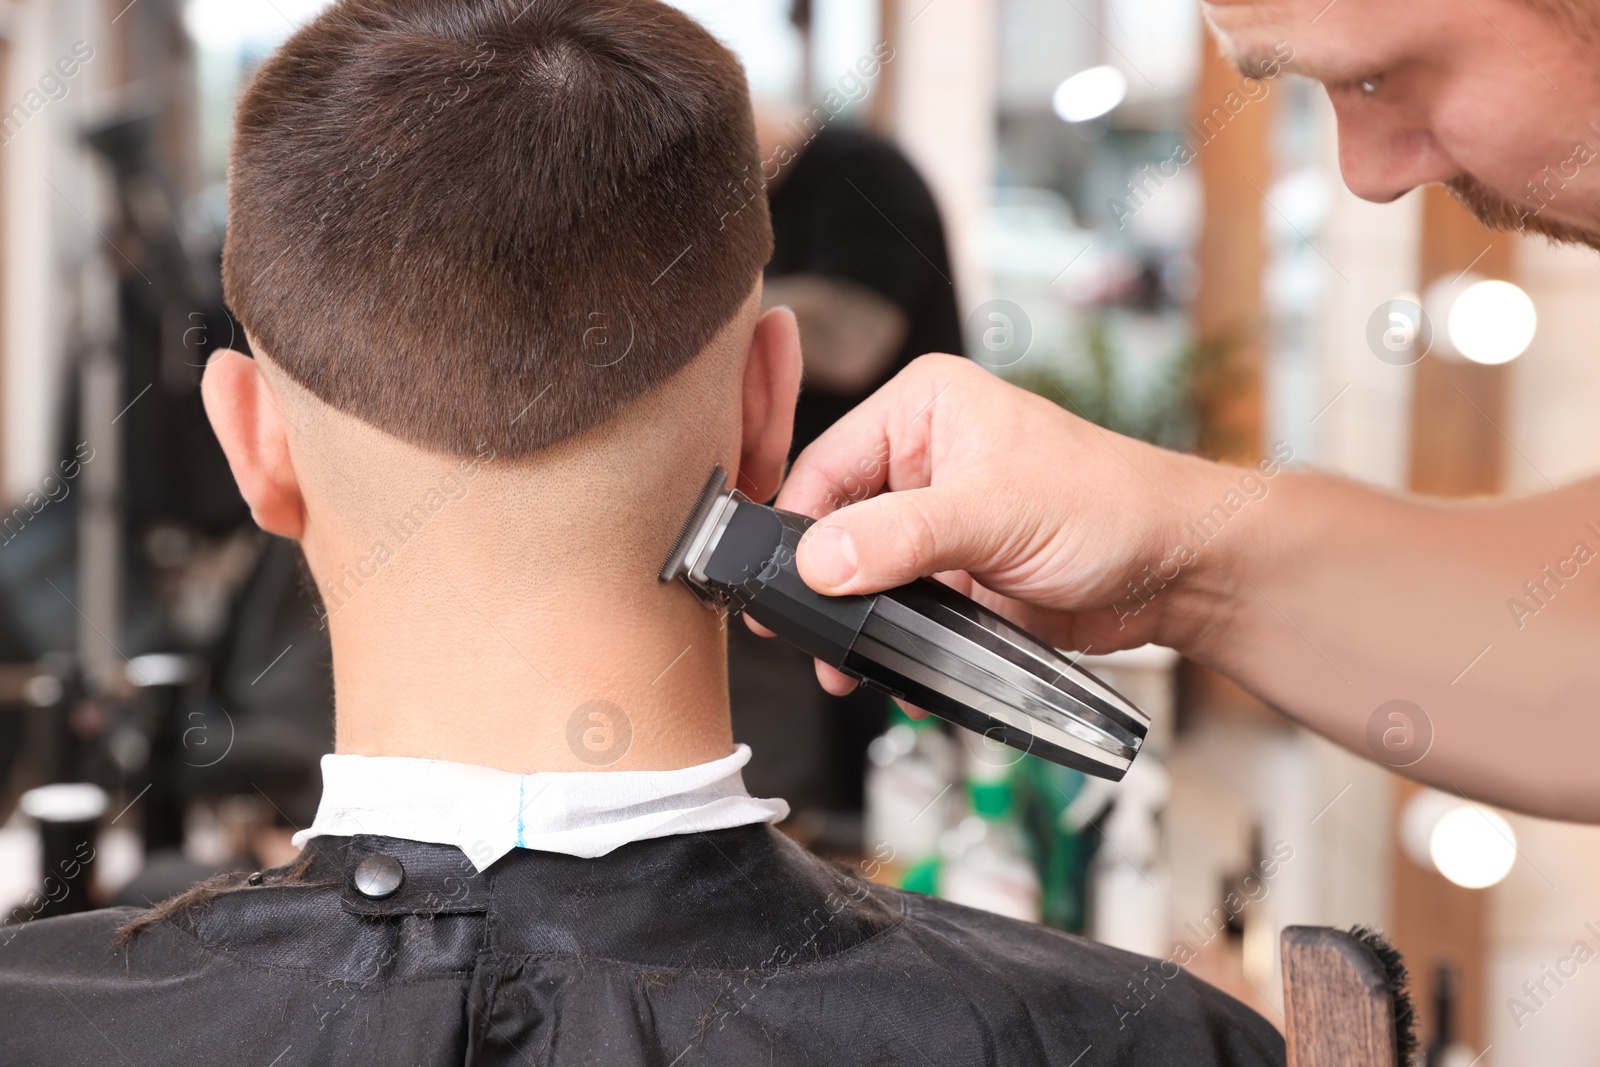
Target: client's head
499	261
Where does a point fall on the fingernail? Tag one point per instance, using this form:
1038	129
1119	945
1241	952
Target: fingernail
831	555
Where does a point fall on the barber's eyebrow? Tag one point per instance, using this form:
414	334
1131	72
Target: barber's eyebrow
1266	65
1257	66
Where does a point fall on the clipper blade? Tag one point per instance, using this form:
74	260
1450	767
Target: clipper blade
677	560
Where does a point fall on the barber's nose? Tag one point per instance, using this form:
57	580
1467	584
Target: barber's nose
1383	160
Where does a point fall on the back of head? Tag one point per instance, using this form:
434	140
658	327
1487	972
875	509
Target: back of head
492	224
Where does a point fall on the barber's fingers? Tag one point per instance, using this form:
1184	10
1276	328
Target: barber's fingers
898	537
841	684
835	681
887	435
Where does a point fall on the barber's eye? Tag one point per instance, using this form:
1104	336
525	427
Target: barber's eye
1368	86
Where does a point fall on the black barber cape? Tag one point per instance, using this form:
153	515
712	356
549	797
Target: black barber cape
735	947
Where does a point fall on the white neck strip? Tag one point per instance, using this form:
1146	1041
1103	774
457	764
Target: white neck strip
487	813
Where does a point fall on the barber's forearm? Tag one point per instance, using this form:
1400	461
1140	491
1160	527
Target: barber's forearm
1327	599
1331	600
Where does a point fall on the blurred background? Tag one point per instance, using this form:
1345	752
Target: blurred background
1078	194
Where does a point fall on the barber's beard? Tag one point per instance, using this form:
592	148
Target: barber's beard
1498	213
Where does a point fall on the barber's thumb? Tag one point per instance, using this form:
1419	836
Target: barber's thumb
887	541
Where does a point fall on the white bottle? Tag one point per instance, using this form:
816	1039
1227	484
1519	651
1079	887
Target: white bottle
986	859
1131	888
909	791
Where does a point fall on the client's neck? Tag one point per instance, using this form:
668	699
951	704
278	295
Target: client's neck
530	676
504	614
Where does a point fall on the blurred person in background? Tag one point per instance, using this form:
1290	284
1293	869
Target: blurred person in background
861	259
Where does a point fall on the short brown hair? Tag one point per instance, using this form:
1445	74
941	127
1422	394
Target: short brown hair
469	221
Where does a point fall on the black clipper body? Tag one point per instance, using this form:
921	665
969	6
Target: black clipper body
922	642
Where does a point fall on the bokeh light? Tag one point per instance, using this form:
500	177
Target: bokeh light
1090	94
1473	847
1492	322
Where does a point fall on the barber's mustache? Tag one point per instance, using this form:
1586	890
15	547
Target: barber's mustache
1498	213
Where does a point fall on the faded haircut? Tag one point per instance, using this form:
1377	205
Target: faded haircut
493	221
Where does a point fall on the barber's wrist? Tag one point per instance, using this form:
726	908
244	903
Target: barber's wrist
1227	522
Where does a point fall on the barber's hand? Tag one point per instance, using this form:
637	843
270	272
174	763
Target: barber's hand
1038	514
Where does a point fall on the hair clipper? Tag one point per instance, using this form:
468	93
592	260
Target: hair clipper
922	642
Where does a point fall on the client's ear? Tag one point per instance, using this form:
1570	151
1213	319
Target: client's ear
249	422
771	387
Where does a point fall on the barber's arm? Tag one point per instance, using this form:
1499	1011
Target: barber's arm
1326	598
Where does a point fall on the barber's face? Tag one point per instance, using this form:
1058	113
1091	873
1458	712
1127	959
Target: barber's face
1482	95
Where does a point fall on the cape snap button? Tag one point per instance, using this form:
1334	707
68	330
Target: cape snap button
379	876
